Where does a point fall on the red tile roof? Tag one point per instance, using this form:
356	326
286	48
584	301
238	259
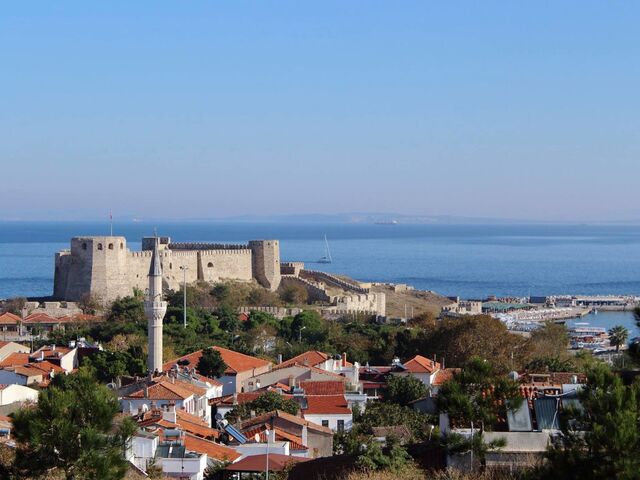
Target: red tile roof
258	463
8	318
15	358
51	351
244	397
236	362
310	359
295	442
445	375
266	417
46	367
420	364
326	404
213	450
163	390
331	387
41	318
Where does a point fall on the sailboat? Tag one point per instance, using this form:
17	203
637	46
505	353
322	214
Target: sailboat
327	253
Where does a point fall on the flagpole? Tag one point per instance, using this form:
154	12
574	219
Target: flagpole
111	221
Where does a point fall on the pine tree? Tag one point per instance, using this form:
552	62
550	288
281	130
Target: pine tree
73	429
601	440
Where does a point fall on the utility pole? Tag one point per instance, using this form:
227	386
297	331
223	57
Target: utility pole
184	295
268	433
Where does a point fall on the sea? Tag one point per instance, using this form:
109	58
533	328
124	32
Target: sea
469	261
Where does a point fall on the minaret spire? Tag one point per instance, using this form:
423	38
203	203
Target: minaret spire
155	309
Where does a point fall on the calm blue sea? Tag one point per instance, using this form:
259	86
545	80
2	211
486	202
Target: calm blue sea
471	261
467	260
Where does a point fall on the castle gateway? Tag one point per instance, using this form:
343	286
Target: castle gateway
106	269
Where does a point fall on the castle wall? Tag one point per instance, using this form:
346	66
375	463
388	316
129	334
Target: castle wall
219	265
105	268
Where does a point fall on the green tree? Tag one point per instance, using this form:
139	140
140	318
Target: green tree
309	326
548	342
228	319
127	309
72	428
601	440
267	402
373	457
383	414
481	336
107	366
477	393
211	364
618	336
403	390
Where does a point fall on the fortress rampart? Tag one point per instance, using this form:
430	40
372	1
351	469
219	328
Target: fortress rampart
105	268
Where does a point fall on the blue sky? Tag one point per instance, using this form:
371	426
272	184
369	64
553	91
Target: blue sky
207	109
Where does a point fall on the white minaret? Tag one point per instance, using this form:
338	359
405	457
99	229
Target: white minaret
155	309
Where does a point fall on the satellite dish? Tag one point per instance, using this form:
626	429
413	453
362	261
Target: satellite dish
219	416
256	437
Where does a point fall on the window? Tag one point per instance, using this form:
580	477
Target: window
121	245
99	246
84	246
210	265
111	246
341	425
325	423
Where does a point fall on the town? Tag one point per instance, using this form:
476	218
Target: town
252	368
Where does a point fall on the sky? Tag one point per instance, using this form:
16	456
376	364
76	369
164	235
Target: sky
173	109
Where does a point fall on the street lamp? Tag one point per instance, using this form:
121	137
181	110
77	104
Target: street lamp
184	295
300	334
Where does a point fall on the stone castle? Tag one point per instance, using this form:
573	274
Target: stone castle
106	269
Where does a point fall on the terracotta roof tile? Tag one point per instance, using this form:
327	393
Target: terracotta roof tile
213	450
445	375
310	359
40	318
236	362
328	404
257	463
295	442
420	364
15	358
329	387
163	390
266	417
8	318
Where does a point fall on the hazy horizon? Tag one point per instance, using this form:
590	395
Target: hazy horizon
491	110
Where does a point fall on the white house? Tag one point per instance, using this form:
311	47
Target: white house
17	393
64	357
329	411
420	367
7	348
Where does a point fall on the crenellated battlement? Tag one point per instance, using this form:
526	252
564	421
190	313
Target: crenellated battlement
105	268
206	246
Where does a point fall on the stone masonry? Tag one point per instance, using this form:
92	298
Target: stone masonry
105	268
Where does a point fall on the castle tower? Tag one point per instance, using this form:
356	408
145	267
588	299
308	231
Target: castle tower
265	262
155	309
